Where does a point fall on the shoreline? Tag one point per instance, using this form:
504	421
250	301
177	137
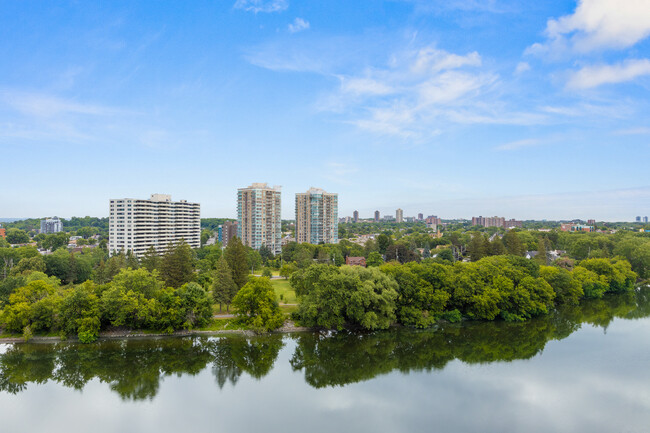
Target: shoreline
288	327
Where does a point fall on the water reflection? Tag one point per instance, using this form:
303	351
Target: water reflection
134	368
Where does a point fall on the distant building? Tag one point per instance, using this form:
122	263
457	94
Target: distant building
355	261
569	227
226	232
376	216
317	217
420	216
410	219
355	216
51	225
433	219
258	217
488	221
512	223
3	233
399	215
638	219
136	225
645	219
591	222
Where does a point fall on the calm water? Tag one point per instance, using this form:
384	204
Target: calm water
582	369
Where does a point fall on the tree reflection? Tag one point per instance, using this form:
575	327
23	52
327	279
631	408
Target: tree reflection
133	368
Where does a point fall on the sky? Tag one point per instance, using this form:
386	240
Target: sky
454	108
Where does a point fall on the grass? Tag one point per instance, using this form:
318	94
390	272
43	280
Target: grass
282	287
222	324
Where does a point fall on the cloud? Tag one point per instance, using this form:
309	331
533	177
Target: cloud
40	105
298	25
596	25
262	5
634	131
594	76
514	145
521	68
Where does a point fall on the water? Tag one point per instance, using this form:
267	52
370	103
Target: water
581	369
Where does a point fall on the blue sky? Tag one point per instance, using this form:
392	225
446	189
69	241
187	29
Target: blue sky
454	108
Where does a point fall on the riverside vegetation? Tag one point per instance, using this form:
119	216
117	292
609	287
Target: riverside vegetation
82	293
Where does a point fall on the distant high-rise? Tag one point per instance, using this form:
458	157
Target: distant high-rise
51	225
317	217
376	216
399	215
645	219
355	216
420	216
227	231
258	217
638	219
137	225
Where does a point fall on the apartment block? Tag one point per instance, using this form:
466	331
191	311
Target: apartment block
226	232
376	216
137	224
399	216
317	217
51	225
355	216
258	217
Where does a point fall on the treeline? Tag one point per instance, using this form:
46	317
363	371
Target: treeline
418	294
325	360
81	294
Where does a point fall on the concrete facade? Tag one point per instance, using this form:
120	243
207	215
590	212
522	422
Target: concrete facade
317	217
138	224
258	217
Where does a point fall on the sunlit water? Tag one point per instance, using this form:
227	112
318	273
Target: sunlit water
581	369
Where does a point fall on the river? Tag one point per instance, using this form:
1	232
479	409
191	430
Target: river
579	369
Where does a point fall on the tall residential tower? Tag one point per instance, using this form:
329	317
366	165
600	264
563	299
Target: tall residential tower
317	217
258	217
136	225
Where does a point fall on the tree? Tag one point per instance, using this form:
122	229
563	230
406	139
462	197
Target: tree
374	259
476	247
513	243
237	259
496	247
17	236
383	242
205	235
176	268
266	254
151	260
223	286
256	305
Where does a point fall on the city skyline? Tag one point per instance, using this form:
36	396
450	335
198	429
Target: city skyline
461	108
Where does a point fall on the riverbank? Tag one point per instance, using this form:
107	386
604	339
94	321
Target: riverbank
288	327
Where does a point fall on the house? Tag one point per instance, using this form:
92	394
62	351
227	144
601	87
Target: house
355	261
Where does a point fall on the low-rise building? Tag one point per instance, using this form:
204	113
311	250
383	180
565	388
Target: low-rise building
355	261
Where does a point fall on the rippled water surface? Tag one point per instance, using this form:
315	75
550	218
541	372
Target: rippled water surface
580	369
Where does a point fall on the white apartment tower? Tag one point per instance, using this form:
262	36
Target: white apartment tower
137	225
317	217
258	217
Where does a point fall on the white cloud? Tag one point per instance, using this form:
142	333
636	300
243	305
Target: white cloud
262	5
594	76
298	25
597	24
514	145
522	67
634	131
41	105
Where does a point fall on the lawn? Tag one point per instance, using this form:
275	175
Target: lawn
284	291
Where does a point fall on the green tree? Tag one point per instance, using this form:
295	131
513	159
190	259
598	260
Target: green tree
476	247
256	305
151	259
513	243
176	267
237	259
374	259
17	236
80	312
223	286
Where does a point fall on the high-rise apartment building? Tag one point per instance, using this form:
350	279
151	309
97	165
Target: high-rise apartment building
638	219
317	217
226	231
137	224
645	219
258	217
355	216
399	215
51	225
420	216
376	216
